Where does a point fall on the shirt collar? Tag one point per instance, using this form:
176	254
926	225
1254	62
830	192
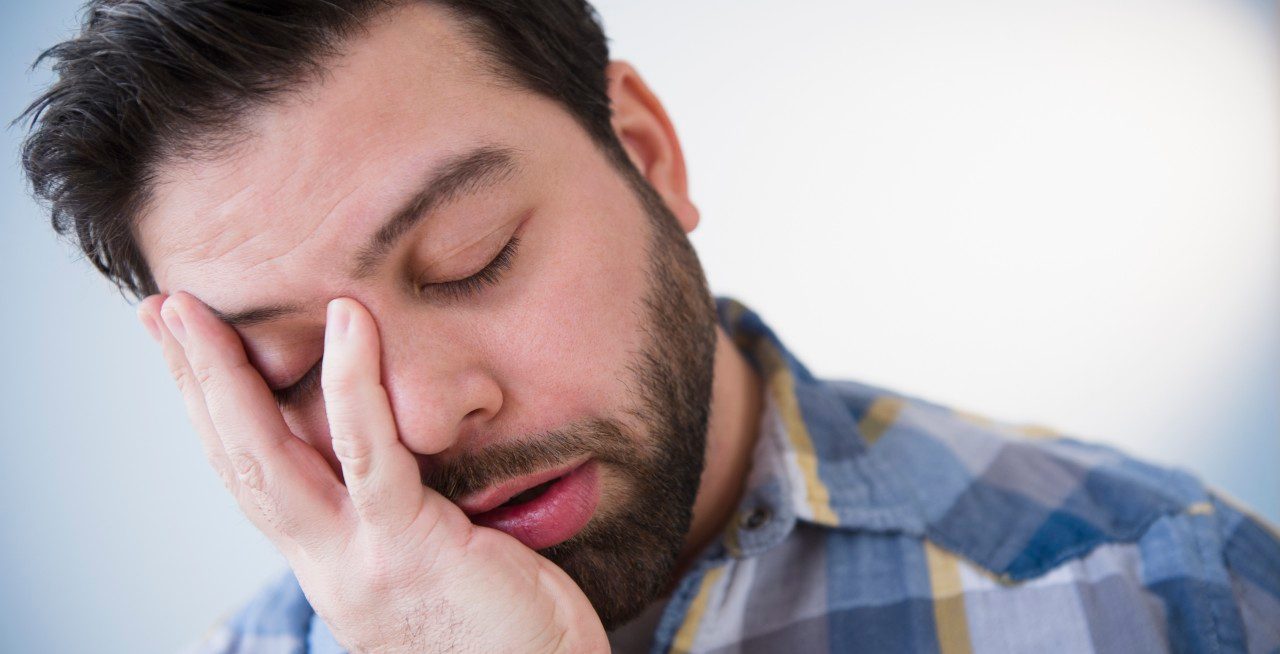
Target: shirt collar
811	461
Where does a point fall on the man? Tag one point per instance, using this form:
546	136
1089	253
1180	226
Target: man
420	271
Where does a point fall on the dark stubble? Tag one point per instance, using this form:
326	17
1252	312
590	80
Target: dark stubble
625	556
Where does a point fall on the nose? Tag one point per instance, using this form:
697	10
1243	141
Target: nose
439	384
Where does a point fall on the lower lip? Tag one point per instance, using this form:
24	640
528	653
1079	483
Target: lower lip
553	517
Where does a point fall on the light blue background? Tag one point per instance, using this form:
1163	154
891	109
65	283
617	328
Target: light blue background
116	536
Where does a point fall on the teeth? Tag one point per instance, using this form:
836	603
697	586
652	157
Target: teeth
530	494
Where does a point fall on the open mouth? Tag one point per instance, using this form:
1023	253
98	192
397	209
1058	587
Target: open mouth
531	494
558	505
518	490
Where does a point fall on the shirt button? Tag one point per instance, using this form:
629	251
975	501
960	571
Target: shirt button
758	517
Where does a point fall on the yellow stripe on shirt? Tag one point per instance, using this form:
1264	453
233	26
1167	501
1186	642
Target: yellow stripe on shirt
782	388
949	615
882	413
777	377
693	619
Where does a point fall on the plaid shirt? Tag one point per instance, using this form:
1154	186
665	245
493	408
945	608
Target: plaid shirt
878	522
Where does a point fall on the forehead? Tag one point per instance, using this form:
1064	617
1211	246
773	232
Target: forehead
320	169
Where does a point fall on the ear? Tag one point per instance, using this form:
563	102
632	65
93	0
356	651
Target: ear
650	140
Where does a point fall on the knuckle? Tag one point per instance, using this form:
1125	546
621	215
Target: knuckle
250	493
217	373
181	374
204	374
353	452
221	467
248	471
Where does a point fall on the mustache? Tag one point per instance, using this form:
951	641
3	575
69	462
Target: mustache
604	440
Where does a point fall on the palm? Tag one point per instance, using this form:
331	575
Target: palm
389	564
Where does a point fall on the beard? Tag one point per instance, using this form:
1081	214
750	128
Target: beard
624	558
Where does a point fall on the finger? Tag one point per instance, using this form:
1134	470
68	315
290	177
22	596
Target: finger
280	476
381	475
149	315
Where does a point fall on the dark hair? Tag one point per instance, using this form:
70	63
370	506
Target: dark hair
149	79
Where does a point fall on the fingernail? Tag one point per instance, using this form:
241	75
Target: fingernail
150	324
337	320
174	322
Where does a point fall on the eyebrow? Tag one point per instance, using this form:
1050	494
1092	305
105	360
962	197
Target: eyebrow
466	174
461	175
256	315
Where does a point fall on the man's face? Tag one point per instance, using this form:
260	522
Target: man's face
410	166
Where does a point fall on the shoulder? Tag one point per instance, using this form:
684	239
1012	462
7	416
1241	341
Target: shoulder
1251	556
1039	516
1017	499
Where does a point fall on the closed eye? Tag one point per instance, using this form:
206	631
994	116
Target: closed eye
297	392
461	288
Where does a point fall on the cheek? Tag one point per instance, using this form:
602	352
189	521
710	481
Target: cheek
577	325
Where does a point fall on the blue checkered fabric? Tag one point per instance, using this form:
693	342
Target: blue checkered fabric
878	522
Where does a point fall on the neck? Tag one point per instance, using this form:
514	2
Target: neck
736	396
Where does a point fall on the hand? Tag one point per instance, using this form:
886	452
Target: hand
389	564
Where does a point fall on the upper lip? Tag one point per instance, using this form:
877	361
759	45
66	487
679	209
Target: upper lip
491	497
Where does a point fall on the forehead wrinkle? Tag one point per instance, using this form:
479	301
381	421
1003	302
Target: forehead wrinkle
348	80
257	213
185	244
315	227
209	231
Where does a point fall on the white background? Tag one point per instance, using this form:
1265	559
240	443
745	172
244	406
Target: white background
1066	213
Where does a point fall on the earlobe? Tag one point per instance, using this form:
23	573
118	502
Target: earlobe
649	139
